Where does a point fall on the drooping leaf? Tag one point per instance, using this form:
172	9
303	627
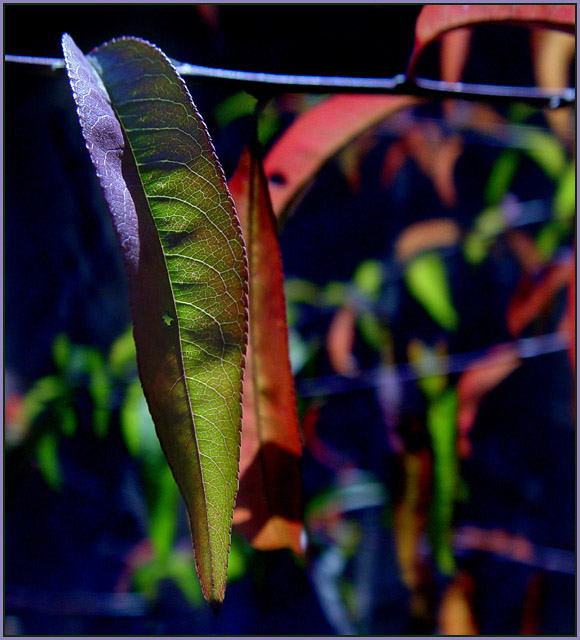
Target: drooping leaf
481	377
442	427
533	295
185	261
434	20
434	154
427	280
553	52
430	234
454	53
340	341
456	612
565	196
501	176
48	460
411	514
268	510
319	134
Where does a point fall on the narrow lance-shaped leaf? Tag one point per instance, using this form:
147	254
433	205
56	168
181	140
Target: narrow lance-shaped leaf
185	261
268	510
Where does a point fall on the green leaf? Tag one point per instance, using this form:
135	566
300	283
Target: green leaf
565	196
368	278
47	459
233	107
547	152
122	355
501	176
426	278
45	391
100	390
185	260
163	514
61	350
441	424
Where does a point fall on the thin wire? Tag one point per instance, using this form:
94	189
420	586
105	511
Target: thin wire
399	84
524	348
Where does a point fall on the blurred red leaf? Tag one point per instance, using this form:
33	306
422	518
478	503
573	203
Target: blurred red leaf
268	509
435	20
456	615
317	135
434	154
553	53
454	53
340	341
422	236
479	379
533	296
411	513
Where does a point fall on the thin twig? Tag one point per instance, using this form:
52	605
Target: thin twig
399	84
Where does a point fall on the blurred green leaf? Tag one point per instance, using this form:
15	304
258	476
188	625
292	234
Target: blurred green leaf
501	176
373	331
42	393
137	425
163	513
61	350
123	355
233	107
368	278
335	294
100	390
547	152
427	281
297	290
48	461
67	419
441	424
549	238
565	196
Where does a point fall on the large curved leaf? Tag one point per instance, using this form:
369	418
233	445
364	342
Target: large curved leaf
435	20
317	135
186	266
269	506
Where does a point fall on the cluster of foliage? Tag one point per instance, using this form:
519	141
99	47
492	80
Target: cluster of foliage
209	303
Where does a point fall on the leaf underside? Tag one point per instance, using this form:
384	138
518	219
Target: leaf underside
268	510
186	266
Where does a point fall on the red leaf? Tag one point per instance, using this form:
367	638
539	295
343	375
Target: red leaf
479	379
553	53
268	510
532	297
340	341
456	614
429	234
434	20
317	135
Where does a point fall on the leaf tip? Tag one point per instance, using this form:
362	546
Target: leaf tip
215	606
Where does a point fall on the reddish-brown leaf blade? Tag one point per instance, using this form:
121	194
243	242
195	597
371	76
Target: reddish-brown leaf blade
533	296
317	135
434	20
269	509
479	379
